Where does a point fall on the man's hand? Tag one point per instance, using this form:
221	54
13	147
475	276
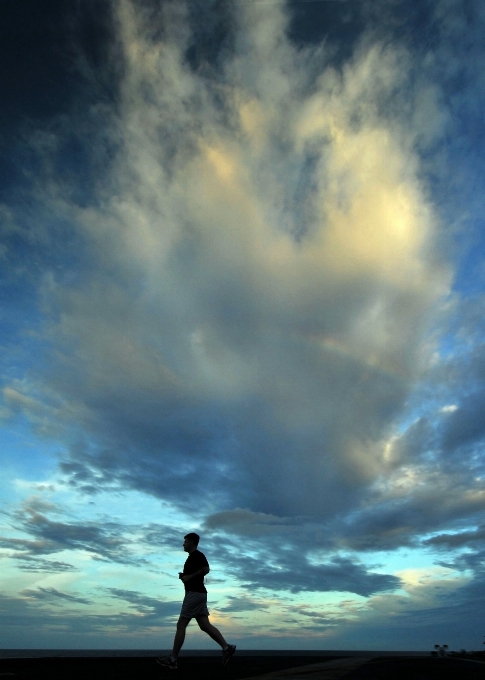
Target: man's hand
186	577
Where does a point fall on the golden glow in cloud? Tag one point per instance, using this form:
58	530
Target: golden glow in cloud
282	235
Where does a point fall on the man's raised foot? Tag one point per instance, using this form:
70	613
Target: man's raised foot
227	653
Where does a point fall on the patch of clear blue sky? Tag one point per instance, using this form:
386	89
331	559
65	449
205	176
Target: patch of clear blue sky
23	456
470	271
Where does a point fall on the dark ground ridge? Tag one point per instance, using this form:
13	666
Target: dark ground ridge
247	665
321	654
418	668
189	667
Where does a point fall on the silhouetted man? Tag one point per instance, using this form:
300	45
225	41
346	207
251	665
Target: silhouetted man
195	604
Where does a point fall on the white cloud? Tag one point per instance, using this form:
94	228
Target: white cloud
260	270
244	320
263	251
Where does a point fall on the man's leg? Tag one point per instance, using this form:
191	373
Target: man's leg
179	638
215	633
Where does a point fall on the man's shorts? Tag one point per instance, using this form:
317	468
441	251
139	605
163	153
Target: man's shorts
194	605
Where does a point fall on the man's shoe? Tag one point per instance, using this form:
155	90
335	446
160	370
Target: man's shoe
168	662
227	653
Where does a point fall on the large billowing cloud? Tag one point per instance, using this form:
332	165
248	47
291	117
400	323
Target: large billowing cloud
263	273
254	285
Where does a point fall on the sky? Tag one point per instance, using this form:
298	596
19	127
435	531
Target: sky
242	293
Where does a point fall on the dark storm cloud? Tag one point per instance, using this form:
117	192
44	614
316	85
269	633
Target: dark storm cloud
51	594
146	435
243	604
465	426
147	606
474	561
436	501
243	522
291	563
324	618
296	574
30	622
104	540
162	536
37	564
457	540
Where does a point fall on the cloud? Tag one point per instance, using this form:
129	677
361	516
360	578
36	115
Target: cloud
465	426
339	574
434	604
245	522
147	606
327	617
51	594
103	541
291	563
40	528
32	621
411	503
251	296
457	540
243	604
29	563
262	274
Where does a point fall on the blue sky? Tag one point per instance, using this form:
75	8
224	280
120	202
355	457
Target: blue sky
242	293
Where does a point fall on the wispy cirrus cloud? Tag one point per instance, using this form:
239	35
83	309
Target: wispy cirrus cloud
103	541
52	594
147	606
23	619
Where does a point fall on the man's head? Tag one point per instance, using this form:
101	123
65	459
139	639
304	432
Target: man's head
191	541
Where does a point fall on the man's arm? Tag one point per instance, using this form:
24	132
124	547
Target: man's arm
203	571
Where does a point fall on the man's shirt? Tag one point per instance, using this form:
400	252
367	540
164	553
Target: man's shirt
195	561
